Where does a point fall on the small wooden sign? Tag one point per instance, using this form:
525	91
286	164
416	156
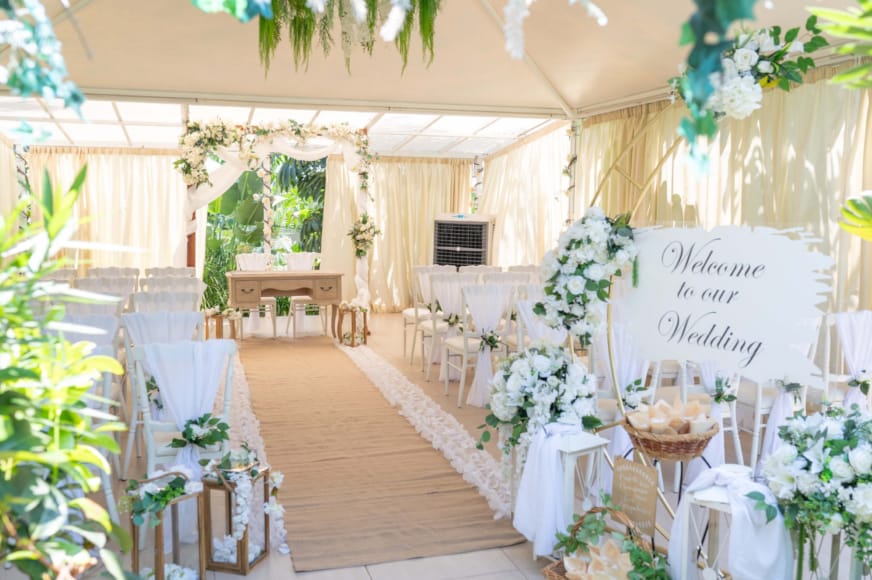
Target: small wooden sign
634	491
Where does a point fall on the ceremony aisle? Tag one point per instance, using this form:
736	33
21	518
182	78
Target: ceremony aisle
361	486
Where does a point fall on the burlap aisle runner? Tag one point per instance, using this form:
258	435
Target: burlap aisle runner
361	486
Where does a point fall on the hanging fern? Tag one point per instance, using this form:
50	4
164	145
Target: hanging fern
302	24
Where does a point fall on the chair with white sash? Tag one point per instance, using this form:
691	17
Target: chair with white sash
121	286
142	328
172	284
190	375
258	263
480	270
102	330
424	305
483	308
446	290
171	271
768	400
854	332
533	272
112	272
302	262
165	301
97	301
67	275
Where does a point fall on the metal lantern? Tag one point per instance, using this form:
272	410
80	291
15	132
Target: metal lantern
218	482
158	530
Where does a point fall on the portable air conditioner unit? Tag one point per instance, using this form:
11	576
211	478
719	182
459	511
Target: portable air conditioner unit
463	240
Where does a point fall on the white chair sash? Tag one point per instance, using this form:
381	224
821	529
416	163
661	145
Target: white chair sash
165	301
630	366
446	289
103	330
748	531
300	261
487	306
535	327
150	327
855	336
189	374
539	511
782	409
174	284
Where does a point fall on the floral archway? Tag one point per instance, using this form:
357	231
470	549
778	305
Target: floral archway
231	150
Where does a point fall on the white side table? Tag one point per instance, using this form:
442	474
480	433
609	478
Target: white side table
571	448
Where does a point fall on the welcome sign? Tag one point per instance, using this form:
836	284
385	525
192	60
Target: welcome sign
745	299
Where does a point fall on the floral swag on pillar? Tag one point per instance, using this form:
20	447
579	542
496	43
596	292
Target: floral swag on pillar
237	148
362	235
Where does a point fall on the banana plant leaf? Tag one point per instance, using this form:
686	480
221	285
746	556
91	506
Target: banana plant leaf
857	216
242	189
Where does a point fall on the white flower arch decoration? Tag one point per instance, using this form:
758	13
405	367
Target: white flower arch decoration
237	148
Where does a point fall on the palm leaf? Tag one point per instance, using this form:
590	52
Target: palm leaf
857	216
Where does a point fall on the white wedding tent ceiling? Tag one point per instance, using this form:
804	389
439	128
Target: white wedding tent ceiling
154	63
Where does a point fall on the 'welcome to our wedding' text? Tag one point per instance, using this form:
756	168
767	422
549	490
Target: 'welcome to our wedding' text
706	330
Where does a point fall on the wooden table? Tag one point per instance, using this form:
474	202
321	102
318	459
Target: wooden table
245	288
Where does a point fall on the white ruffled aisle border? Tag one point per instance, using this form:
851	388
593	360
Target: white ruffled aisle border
245	428
440	428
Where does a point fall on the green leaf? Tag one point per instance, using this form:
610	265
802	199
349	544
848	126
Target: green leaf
791	35
687	35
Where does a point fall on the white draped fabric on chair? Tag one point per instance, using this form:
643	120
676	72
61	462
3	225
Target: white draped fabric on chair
447	291
487	306
855	336
189	374
534	327
630	367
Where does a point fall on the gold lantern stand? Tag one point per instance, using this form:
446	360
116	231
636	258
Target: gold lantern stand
174	522
218	482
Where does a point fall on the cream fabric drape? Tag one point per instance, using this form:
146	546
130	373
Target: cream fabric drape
340	211
524	189
130	197
792	164
408	195
8	178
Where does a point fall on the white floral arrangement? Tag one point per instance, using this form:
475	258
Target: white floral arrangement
363	234
172	572
822	477
759	60
862	381
535	387
201	141
578	272
146	501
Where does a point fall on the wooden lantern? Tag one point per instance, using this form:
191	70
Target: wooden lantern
353	313
174	523
218	483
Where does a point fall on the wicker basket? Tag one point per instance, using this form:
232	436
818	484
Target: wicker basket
556	570
670	447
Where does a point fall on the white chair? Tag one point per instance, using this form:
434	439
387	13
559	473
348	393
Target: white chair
302	262
854	332
112	272
531	328
513	278
481	270
258	263
141	328
102	330
67	275
446	290
483	308
189	375
172	284
121	286
421	303
104	303
702	391
170	272
164	301
761	397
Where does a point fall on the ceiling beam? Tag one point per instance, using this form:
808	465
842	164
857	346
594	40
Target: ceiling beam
195	98
568	110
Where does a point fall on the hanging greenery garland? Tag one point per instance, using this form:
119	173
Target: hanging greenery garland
360	21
